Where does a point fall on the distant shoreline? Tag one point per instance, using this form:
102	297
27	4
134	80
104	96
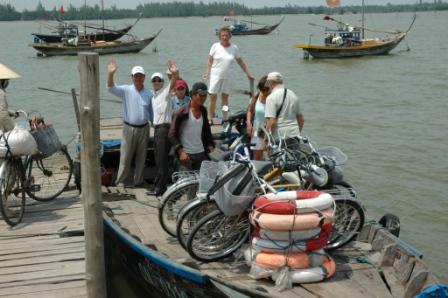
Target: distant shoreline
191	9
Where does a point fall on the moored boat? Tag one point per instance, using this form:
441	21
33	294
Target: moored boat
349	41
70	31
377	264
243	28
365	47
81	44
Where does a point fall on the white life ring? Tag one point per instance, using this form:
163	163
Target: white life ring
306	221
293	202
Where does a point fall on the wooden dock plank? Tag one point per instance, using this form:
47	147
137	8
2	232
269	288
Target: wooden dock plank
53	270
38	289
38	257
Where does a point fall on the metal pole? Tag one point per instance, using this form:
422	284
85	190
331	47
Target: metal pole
76	107
90	175
363	19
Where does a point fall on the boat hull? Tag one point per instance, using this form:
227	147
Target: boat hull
155	274
354	51
116	47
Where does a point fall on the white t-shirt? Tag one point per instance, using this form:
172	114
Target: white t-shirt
162	106
286	122
223	59
190	138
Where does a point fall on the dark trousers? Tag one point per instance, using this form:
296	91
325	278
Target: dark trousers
161	150
194	164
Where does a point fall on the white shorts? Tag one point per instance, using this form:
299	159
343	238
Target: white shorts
218	86
259	143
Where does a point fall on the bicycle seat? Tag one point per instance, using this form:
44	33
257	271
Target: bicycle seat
261	166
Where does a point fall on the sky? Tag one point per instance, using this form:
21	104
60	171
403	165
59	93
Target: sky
49	4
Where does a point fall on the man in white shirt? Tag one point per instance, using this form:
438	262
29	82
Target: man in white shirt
284	118
163	111
137	113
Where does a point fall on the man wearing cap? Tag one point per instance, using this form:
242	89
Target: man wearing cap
6	123
180	97
163	111
283	115
137	113
190	131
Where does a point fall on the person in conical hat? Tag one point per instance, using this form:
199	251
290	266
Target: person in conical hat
6	124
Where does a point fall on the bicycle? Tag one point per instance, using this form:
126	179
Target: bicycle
217	235
41	177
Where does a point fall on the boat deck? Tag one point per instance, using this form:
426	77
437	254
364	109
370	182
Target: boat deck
44	256
374	266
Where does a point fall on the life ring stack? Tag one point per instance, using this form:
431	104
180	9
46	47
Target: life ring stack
291	229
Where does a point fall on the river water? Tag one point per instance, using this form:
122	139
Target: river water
388	114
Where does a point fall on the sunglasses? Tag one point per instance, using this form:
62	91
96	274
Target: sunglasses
156	80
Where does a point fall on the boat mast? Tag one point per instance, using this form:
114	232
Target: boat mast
102	17
85	17
362	19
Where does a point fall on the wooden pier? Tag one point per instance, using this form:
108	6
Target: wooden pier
44	256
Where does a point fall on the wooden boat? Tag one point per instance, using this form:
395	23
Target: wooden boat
358	48
242	28
73	46
70	31
377	264
349	41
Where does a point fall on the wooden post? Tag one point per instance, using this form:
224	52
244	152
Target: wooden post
90	174
76	107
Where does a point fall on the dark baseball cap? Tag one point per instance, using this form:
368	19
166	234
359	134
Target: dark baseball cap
199	88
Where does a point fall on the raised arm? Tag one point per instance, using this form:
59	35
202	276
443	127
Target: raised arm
174	73
111	69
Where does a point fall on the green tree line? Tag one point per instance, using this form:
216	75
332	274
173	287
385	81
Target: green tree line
186	9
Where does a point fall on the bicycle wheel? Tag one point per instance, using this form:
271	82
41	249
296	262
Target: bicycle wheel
189	215
217	236
347	223
174	199
12	194
49	176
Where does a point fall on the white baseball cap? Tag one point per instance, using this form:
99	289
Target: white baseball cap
275	76
157	75
137	69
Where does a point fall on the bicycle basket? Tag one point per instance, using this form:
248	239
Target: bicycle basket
208	172
236	195
47	140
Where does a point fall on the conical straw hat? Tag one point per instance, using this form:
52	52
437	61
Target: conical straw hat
6	73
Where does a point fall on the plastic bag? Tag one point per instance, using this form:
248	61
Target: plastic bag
20	142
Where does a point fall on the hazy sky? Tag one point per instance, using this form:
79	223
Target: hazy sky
49	4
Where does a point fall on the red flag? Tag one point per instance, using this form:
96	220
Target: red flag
333	3
61	10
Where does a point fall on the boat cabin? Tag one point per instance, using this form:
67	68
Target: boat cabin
343	36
